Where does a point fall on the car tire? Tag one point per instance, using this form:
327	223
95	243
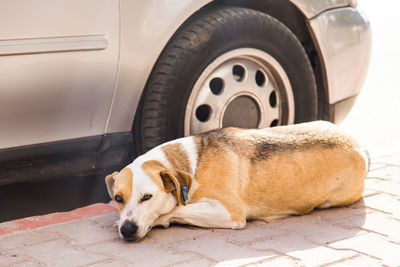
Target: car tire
178	79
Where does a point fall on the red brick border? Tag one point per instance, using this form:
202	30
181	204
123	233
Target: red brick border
55	218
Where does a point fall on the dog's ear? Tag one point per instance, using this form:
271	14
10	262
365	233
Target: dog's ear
178	182
169	180
110	180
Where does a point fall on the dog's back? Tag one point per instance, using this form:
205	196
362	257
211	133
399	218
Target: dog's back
275	172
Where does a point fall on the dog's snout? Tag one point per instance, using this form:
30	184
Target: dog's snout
129	230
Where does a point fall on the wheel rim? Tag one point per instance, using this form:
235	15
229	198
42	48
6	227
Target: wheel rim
245	88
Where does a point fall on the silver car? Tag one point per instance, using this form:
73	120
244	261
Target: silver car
86	85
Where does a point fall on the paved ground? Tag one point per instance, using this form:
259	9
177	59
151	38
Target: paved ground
364	234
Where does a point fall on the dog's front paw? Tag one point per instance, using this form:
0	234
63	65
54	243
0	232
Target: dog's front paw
116	223
162	221
165	225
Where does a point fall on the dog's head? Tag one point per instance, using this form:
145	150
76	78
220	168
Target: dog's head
143	192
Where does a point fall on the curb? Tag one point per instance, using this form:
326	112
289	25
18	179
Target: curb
10	227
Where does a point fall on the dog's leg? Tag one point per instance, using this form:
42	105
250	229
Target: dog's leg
210	214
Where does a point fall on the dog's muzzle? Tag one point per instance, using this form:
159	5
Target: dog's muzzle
129	230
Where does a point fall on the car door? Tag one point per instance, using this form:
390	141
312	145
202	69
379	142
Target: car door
58	66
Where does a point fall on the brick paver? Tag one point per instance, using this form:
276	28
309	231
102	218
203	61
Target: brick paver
359	260
277	261
58	252
25	239
139	254
217	248
9	259
366	233
83	232
321	255
374	245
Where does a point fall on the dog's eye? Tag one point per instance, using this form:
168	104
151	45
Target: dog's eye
146	197
119	199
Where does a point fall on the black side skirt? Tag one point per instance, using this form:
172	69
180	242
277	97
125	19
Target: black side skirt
75	157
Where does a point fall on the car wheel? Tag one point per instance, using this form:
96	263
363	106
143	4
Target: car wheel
226	66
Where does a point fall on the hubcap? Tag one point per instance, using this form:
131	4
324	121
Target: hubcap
244	88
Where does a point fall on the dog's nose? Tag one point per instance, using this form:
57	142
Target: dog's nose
128	230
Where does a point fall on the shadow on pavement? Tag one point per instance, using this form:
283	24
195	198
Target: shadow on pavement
29	199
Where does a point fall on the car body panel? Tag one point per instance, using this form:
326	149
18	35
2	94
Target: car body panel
344	39
58	68
146	28
311	8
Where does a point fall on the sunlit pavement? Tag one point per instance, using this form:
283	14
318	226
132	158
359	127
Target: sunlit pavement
364	234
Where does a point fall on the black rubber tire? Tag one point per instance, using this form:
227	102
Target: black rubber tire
198	42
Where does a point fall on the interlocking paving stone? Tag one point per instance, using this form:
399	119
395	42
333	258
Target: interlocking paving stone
335	215
106	220
359	260
321	255
388	173
310	254
392	159
378	222
316	228
253	231
284	243
25	239
388	187
8	259
175	234
27	264
370	192
58	253
140	253
277	261
197	262
242	261
217	248
110	263
84	232
324	233
383	202
373	244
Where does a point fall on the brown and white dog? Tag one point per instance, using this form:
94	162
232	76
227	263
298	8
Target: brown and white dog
224	177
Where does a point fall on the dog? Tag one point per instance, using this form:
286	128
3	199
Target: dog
222	178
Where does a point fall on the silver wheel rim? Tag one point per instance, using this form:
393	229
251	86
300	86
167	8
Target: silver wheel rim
246	88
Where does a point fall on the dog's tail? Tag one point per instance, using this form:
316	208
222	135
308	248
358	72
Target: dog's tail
367	158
